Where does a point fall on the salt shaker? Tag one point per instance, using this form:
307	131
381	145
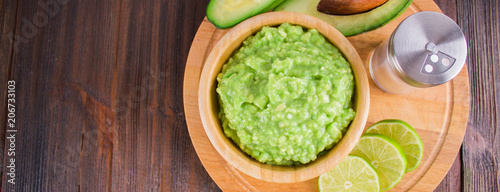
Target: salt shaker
427	49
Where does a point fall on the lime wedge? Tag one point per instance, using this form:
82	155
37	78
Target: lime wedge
405	136
385	155
352	174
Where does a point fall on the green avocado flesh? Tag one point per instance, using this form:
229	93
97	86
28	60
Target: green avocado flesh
350	25
285	95
228	13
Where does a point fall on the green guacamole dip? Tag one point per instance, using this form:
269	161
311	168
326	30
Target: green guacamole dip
285	95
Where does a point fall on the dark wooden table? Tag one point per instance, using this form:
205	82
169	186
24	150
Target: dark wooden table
97	89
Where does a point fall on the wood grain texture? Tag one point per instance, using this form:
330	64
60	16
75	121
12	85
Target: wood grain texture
480	23
8	10
94	89
439	115
152	150
61	97
81	129
452	181
31	82
84	122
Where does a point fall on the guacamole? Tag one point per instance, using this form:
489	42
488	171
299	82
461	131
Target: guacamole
285	95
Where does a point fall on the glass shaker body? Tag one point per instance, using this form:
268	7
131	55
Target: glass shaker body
426	49
383	71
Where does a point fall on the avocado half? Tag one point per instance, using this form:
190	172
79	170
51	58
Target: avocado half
350	25
227	13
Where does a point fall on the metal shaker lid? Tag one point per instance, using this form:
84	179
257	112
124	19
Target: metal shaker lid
428	49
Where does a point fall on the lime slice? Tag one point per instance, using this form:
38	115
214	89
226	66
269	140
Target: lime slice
352	174
405	136
385	155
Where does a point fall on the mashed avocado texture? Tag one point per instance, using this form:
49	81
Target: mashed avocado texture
285	95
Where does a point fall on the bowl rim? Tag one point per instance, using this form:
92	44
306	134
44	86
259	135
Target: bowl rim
224	48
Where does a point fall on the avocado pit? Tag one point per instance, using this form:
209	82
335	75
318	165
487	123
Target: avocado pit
348	7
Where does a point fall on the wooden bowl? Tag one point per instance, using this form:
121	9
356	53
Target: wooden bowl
209	105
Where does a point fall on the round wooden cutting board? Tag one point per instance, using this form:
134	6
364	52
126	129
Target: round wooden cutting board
438	114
